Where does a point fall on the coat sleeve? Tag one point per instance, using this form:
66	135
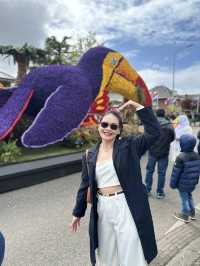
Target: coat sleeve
151	131
176	172
198	148
198	135
172	134
81	197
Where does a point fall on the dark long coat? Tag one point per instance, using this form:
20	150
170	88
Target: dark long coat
126	157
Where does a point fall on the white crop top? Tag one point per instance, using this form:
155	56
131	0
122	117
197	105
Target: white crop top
106	175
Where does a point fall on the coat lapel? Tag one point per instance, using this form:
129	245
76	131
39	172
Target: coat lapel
116	156
92	159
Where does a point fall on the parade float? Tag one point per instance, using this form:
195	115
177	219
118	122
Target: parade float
61	98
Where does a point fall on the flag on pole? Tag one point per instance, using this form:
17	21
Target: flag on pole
154	96
173	100
166	102
170	100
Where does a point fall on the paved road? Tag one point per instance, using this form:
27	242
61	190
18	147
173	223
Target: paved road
35	223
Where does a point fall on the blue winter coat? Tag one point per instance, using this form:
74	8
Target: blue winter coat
186	170
126	157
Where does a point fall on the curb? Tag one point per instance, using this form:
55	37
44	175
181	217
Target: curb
180	245
26	174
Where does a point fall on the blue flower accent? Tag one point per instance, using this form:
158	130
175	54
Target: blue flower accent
114	61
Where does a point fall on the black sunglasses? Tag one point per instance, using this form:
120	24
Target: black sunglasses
112	126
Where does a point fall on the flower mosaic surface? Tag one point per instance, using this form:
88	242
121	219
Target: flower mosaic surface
63	97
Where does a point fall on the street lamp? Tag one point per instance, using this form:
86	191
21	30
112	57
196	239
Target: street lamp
174	64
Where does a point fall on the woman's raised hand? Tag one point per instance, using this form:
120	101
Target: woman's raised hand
75	223
129	104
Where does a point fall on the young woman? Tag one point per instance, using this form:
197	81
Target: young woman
121	227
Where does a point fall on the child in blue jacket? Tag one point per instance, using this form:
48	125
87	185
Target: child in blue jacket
185	176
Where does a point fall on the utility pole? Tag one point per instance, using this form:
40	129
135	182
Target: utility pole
198	103
175	53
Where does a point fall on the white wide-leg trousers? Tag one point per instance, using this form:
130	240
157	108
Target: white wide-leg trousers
119	242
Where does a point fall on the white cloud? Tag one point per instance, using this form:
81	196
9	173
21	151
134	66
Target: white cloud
153	21
150	22
7	66
186	80
156	21
23	21
130	54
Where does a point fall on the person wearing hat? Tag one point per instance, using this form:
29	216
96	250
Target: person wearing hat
159	153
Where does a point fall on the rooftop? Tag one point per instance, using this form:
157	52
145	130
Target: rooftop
162	91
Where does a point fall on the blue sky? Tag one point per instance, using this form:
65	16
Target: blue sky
150	34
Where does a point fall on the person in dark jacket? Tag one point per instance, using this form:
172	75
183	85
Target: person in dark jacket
121	226
2	248
185	176
159	153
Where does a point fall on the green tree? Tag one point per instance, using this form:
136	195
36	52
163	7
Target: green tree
23	56
57	52
65	53
81	46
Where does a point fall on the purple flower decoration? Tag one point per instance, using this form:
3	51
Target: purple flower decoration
58	97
